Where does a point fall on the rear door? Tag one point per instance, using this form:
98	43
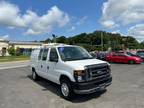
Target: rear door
122	58
114	57
39	62
44	63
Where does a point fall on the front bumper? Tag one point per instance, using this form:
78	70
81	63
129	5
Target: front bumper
91	86
142	59
139	62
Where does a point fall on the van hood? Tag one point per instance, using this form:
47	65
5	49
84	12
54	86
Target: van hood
79	64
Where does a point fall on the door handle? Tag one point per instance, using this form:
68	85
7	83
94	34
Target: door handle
47	67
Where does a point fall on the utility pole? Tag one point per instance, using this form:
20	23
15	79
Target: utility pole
54	37
102	41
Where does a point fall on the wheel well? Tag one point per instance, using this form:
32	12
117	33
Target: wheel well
33	69
64	77
131	60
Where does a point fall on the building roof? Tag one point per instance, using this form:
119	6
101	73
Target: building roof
25	43
3	40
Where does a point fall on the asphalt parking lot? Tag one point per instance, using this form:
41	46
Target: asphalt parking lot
18	90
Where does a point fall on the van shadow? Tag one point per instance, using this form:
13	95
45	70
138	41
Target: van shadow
55	88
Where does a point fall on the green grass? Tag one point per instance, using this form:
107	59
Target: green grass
13	58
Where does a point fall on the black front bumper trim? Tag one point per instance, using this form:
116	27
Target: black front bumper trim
92	86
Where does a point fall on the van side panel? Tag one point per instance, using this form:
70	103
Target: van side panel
34	59
62	69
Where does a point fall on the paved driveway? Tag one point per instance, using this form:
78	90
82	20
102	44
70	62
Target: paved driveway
17	90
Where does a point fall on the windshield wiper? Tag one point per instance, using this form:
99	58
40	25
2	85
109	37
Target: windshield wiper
78	59
87	58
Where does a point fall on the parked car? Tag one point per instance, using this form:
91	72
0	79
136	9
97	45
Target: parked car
140	54
99	55
93	54
102	55
72	67
128	53
123	58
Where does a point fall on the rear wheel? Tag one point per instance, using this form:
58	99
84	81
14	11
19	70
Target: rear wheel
35	77
66	89
131	62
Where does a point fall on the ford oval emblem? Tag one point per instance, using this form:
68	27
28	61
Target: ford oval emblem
99	72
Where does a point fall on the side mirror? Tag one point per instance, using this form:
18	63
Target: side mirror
54	59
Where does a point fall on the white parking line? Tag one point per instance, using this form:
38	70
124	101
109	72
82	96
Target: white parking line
14	62
10	67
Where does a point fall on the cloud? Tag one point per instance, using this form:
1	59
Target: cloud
5	37
116	31
137	31
72	28
76	22
81	20
46	23
122	12
109	24
10	16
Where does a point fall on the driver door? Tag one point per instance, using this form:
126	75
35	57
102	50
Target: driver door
122	58
53	65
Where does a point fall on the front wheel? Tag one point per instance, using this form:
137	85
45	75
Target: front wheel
66	89
131	62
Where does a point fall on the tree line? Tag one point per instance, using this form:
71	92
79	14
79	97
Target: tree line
99	40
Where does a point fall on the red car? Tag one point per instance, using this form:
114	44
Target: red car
123	58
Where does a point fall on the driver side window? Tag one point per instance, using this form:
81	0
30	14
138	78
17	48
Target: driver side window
45	53
53	55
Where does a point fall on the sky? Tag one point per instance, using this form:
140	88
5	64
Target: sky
30	20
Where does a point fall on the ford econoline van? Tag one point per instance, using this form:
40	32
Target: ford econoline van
72	67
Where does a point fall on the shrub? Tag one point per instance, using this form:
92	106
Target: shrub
17	52
12	51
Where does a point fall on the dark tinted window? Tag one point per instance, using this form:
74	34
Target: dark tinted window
115	54
40	54
53	55
140	51
121	54
73	53
45	53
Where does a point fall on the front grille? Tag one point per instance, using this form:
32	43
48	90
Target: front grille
98	71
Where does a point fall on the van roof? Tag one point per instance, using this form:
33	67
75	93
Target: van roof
55	45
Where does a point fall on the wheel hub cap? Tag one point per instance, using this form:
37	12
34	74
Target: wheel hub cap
34	75
64	89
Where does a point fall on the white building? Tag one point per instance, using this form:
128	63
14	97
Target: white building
24	46
4	45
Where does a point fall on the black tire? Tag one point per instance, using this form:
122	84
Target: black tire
35	77
131	62
66	89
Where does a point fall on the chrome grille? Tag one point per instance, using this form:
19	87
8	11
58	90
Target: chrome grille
97	71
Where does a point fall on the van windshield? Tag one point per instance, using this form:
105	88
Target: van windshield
73	53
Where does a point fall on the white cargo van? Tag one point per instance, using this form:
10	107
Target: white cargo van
72	67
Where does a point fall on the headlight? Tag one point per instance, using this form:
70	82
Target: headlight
109	67
80	75
79	72
138	59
